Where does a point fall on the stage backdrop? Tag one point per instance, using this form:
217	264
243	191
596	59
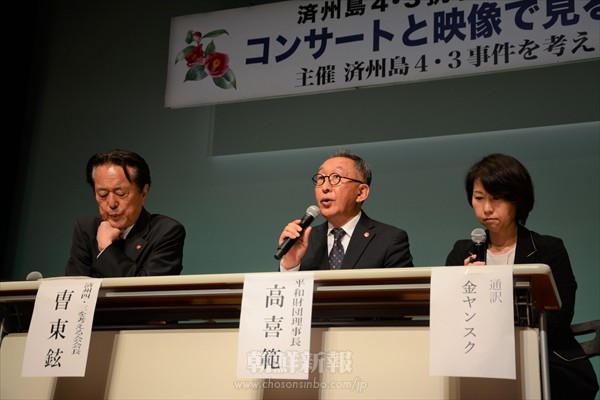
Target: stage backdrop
99	83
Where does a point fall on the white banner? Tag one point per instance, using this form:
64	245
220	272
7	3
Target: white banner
300	47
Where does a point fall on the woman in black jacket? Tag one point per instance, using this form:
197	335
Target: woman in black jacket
500	191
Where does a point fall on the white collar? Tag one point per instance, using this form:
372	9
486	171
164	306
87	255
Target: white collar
348	227
126	232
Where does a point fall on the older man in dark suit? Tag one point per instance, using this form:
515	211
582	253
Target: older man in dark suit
125	239
349	238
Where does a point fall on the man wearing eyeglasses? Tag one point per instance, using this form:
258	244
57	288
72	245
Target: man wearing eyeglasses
349	238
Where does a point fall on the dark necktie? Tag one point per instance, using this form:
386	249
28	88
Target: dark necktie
337	251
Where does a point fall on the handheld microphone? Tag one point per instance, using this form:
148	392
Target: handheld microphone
312	212
34	276
478	237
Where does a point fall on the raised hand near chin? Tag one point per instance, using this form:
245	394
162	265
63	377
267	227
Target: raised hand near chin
106	235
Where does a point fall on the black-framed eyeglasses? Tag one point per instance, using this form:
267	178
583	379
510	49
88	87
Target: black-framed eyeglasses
334	179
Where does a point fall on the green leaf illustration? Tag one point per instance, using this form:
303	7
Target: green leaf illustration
215	33
196	73
227	81
181	55
189	37
210	48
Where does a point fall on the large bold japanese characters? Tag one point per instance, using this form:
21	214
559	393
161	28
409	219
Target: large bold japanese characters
302	47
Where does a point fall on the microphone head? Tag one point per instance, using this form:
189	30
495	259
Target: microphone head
478	236
34	276
313	211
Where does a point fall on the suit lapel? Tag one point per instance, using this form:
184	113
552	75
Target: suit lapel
318	239
361	237
136	240
526	248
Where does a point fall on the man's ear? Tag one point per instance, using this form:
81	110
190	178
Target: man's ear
363	192
145	190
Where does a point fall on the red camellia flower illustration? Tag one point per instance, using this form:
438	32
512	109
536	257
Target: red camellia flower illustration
217	64
203	61
196	56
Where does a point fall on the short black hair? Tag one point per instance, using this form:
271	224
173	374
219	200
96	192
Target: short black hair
505	177
125	159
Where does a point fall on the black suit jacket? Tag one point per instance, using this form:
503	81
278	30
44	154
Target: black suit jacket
154	246
372	245
571	373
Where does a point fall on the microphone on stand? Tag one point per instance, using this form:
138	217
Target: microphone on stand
478	237
312	212
34	276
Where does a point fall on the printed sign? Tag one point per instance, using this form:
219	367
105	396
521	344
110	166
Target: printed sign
301	47
61	327
275	324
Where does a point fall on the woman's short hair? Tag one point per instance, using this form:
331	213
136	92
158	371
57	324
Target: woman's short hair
503	176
